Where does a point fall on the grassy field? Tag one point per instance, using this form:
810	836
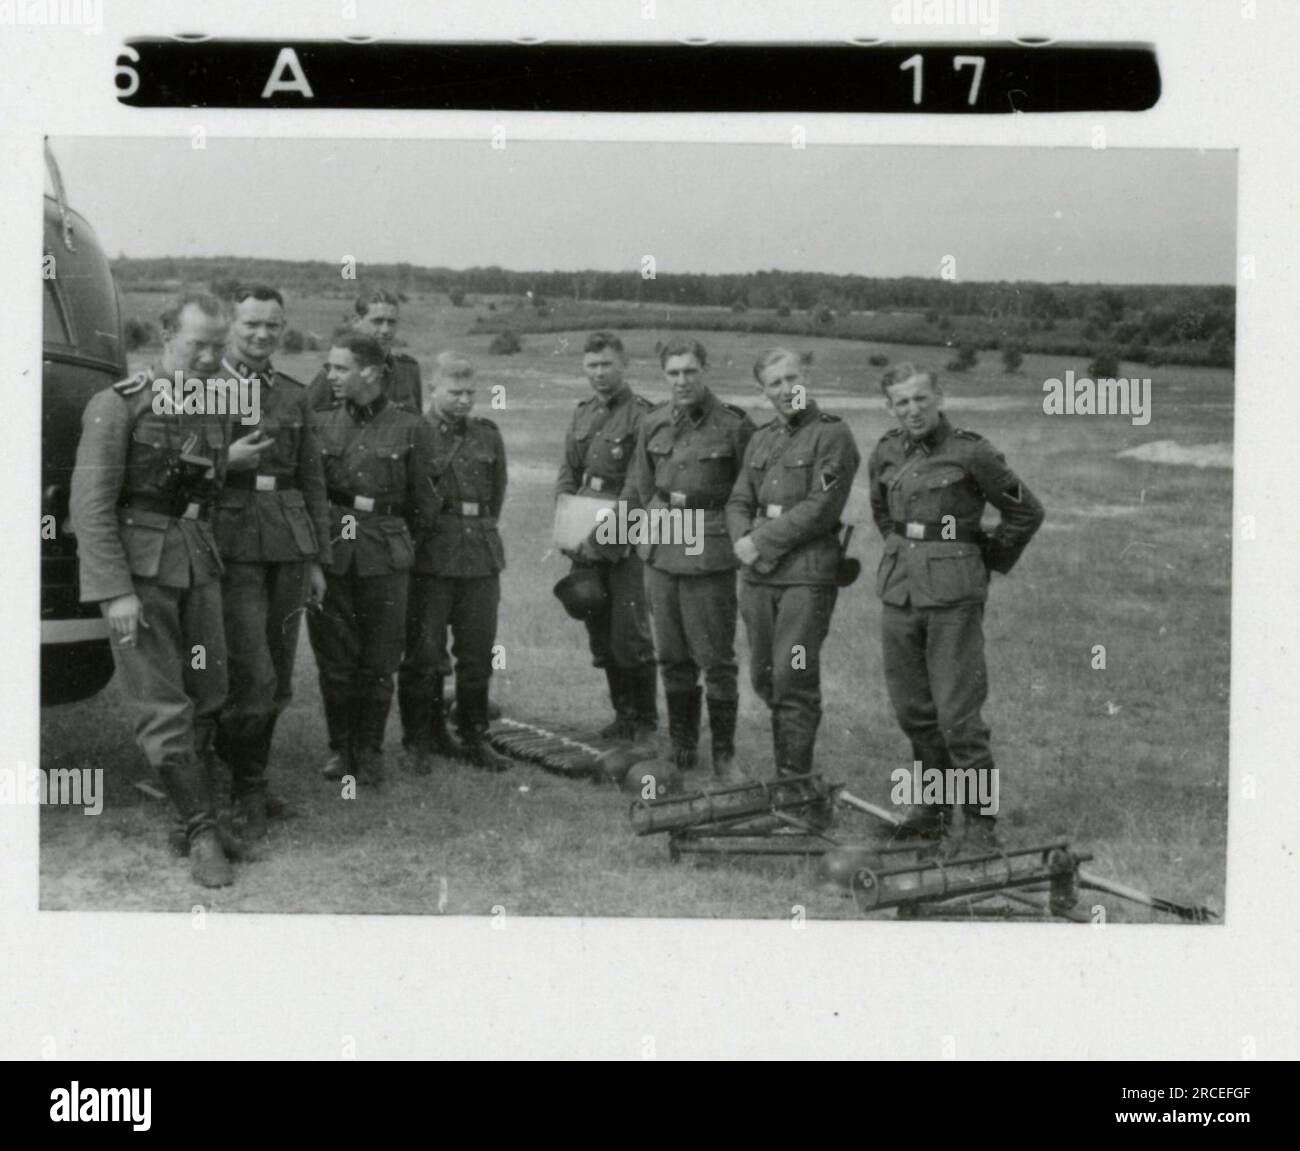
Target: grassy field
1130	762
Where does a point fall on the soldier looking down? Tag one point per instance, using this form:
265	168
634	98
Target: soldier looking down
930	482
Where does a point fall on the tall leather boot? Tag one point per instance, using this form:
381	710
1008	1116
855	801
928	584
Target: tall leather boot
980	830
780	748
338	722
369	719
441	740
248	781
643	689
212	776
684	727
616	678
413	709
927	820
184	783
722	741
472	725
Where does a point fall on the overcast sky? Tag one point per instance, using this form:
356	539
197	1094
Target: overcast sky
1084	215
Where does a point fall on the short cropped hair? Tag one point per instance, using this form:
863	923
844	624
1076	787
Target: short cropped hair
366	350
775	356
599	341
375	296
901	373
453	365
206	303
256	292
683	348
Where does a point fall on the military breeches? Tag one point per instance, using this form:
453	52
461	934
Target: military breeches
934	669
695	630
620	634
787	626
358	634
262	606
465	606
175	674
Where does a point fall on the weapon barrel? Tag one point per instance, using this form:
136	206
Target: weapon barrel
788	793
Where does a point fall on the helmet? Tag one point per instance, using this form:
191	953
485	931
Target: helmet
613	766
661	771
582	592
837	867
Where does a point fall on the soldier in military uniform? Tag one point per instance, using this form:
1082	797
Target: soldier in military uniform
272	526
376	315
597	452
929	484
144	478
687	457
784	520
377	460
457	582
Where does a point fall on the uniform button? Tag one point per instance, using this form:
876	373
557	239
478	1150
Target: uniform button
911	545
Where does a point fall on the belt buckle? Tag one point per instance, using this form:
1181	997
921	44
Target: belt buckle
772	511
596	484
192	511
469	509
264	483
364	503
915	531
677	499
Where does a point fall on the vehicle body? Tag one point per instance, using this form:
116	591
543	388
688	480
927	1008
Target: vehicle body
84	352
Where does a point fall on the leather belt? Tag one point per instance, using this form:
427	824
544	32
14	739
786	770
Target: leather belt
466	508
678	500
261	482
178	507
380	505
602	483
935	532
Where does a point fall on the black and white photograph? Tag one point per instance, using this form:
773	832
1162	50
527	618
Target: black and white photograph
656	530
667	533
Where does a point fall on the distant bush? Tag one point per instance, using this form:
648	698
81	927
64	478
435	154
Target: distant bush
876	360
739	306
825	315
931	317
1012	357
457	298
491	306
1104	365
293	341
505	343
140	334
783	310
945	324
967	357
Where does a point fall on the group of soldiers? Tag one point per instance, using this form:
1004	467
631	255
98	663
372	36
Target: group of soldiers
372	508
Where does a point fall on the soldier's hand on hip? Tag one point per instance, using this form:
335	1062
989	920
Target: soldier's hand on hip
746	550
124	614
247	450
315	585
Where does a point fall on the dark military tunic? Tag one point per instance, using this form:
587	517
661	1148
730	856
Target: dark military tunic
927	498
689	460
140	511
268	523
377	461
457	582
795	481
597	454
399	382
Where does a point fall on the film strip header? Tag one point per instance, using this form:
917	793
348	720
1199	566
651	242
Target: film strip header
965	78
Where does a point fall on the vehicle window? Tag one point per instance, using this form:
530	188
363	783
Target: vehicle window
56	328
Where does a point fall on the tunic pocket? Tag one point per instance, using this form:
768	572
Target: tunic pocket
401	551
143	537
